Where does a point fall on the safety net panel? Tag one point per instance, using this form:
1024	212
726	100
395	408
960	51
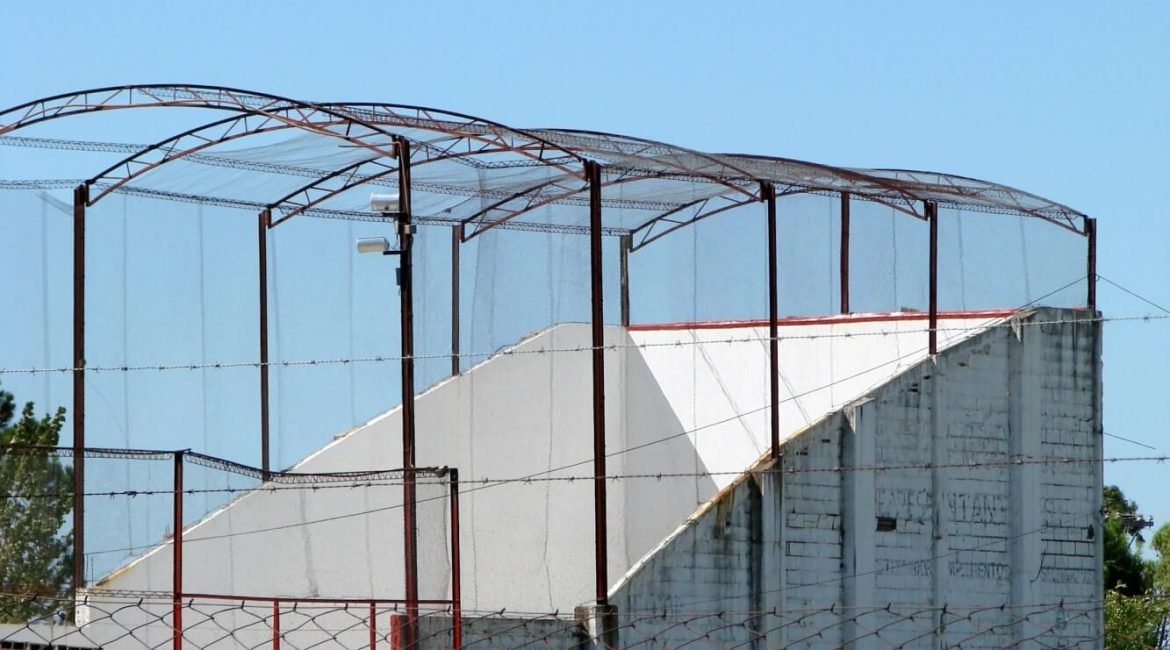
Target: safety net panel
889	260
1002	261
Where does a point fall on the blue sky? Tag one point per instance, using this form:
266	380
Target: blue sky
1068	100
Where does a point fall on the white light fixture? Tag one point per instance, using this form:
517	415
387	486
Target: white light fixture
373	245
384	202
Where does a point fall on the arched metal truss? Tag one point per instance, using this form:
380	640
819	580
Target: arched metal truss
492	149
489	175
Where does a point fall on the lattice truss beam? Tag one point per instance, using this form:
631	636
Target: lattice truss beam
515	172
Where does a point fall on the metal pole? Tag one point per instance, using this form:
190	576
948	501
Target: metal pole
1091	233
373	625
80	197
932	216
406	297
600	531
262	258
177	556
624	243
456	577
456	240
276	624
769	193
845	252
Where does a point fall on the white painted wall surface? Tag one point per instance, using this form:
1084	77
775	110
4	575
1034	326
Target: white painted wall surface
527	412
717	380
1010	549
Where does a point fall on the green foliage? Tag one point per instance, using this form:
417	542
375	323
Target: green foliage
35	555
1137	591
1125	571
1135	622
1160	570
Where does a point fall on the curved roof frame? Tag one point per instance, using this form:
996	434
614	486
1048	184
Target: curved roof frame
184	96
199	138
492	138
529	144
623	159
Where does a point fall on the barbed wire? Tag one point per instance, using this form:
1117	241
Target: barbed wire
520	351
142	619
525	480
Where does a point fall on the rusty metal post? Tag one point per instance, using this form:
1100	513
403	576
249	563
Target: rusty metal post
406	297
600	523
845	200
932	216
456	577
373	625
1091	271
265	218
624	243
768	191
80	198
456	240
177	556
276	624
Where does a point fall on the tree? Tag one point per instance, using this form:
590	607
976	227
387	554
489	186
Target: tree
1137	591
1135	622
35	499
1125	571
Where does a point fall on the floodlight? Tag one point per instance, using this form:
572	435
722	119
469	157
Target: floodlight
372	245
384	202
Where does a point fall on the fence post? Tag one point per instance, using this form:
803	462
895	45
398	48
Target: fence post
1091	271
845	198
80	199
456	240
177	556
932	216
456	579
769	194
276	624
373	625
262	280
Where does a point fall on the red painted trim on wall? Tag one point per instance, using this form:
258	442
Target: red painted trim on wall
837	319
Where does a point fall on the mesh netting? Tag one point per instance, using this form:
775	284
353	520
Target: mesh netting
502	341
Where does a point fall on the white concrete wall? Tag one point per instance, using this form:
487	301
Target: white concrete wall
716	379
527	412
999	544
526	546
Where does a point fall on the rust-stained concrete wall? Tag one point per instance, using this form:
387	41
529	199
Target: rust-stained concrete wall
967	536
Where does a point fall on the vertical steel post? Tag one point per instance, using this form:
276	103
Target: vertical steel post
768	191
406	297
276	624
373	625
624	243
600	523
1091	271
932	216
456	576
264	219
845	200
456	241
80	198
177	556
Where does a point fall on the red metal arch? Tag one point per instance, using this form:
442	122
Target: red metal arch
908	204
657	167
194	140
293	113
190	142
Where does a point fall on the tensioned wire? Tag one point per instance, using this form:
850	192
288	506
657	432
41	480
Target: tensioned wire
990	325
947	614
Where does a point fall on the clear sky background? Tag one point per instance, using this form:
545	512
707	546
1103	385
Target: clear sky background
1069	100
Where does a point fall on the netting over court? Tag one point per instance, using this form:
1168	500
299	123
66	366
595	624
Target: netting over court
189	281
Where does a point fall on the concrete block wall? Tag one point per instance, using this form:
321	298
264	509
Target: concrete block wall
926	512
